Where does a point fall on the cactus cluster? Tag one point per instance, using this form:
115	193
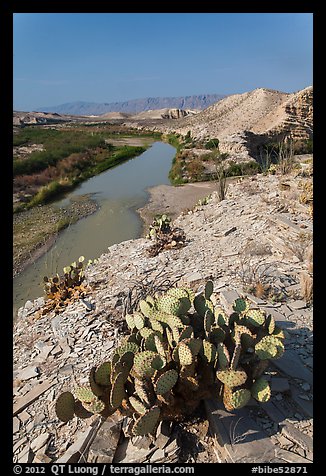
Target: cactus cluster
181	348
164	236
60	290
160	224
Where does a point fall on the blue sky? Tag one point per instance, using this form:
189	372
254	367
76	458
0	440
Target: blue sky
107	57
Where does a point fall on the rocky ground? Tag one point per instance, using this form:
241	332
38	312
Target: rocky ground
258	242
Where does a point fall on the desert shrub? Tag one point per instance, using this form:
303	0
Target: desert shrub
212	144
180	348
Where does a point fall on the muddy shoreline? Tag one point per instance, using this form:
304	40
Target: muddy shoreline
30	242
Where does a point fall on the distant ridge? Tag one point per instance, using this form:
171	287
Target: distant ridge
134	106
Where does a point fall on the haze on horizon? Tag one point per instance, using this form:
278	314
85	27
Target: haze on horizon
111	57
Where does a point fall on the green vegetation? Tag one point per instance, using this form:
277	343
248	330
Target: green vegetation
212	144
180	349
69	157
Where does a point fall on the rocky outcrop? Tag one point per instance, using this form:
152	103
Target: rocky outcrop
243	122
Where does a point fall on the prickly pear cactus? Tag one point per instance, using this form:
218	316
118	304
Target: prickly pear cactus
182	347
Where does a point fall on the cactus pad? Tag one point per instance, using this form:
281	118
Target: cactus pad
270	324
186	332
65	406
269	347
96	389
137	405
194	344
241	305
184	354
166	381
209	287
96	406
256	317
220	316
117	391
208	351
261	390
84	394
102	374
208	321
145	308
156	325
147	422
223	356
217	334
139	320
202	305
240	398
232	378
130	321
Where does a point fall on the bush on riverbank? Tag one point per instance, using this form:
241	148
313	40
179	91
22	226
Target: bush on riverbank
70	156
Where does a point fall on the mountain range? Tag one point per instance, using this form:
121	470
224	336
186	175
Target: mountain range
134	106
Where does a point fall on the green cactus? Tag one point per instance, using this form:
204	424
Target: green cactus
156	325
232	378
270	324
208	351
65	406
174	356
84	394
223	356
241	305
185	355
186	332
208	321
202	304
216	335
261	390
240	398
269	347
130	321
172	305
139	320
209	287
166	382
220	316
146	308
256	317
137	405
96	389
102	374
117	393
147	422
96	406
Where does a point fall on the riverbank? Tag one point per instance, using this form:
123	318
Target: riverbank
173	200
32	240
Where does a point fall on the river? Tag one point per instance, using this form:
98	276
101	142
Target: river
119	191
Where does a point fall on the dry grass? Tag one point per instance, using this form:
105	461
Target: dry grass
306	286
302	246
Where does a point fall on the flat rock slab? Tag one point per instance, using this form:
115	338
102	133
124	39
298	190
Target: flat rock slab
279	384
31	396
239	434
290	364
103	448
290	457
293	434
305	405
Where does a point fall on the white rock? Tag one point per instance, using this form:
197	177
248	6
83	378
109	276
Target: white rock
40	441
29	372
